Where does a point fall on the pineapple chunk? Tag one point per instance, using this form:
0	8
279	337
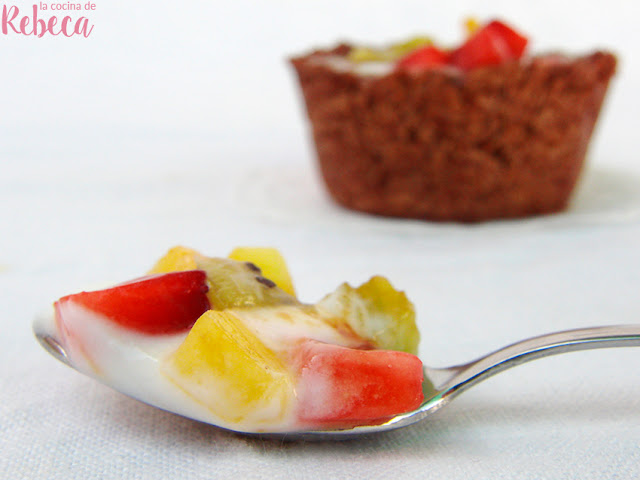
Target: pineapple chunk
176	259
270	261
224	366
471	26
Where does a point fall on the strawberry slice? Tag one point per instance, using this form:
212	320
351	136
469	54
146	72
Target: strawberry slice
493	44
423	58
340	385
156	304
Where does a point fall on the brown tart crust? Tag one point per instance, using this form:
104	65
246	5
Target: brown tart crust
496	142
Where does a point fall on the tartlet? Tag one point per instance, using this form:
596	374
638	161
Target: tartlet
457	138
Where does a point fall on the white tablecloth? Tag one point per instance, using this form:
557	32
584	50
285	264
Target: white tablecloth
181	124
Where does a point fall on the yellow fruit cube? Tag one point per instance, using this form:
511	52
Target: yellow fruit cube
176	259
225	367
270	261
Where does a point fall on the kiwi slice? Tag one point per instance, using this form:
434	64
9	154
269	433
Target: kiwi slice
375	311
235	284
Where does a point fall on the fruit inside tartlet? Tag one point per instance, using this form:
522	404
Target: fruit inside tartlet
490	44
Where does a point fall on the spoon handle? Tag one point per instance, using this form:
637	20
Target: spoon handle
539	347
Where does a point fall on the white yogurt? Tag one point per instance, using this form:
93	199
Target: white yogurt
130	362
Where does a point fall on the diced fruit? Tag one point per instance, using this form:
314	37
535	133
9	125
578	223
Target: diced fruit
402	48
157	304
471	25
367	54
493	44
516	42
425	57
392	53
233	283
271	263
343	385
224	366
175	260
375	311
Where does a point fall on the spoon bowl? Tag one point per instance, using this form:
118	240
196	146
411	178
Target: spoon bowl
441	385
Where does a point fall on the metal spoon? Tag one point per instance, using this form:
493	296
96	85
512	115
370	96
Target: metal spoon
442	385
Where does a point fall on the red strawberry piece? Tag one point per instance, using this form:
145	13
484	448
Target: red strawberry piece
156	304
422	58
493	44
339	385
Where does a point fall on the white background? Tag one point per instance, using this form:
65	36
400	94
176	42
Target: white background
181	123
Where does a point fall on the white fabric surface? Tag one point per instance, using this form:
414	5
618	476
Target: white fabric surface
180	124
